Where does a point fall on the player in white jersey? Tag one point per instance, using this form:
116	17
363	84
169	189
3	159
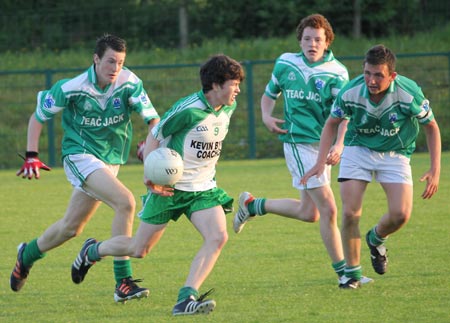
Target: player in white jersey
385	110
96	111
309	82
195	127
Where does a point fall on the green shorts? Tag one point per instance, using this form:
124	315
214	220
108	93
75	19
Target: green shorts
159	210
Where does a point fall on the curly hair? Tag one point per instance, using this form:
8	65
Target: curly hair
316	21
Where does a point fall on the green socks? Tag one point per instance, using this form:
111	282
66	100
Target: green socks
31	253
122	269
92	253
354	272
185	292
374	238
339	267
257	206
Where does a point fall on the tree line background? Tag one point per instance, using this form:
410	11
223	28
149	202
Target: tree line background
61	24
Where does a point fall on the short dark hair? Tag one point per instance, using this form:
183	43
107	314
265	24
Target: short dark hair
219	69
316	21
379	55
109	41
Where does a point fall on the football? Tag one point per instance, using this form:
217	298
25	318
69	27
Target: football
163	166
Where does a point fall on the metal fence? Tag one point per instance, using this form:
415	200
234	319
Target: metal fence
248	138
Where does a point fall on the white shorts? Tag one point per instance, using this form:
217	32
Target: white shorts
78	167
363	163
299	159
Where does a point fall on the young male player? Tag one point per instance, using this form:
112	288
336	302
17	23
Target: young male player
96	111
385	110
195	127
309	82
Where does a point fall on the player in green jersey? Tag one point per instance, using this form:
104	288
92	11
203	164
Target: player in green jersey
96	111
195	127
309	82
384	111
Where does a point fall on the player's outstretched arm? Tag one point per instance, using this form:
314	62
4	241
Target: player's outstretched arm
431	177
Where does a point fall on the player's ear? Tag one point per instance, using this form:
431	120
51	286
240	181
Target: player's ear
96	59
216	87
393	75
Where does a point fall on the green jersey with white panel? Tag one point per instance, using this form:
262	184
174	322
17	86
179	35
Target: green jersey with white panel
196	131
390	125
309	90
96	121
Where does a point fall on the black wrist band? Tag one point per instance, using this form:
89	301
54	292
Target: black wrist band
31	154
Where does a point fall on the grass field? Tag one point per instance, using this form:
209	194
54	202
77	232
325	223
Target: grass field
276	270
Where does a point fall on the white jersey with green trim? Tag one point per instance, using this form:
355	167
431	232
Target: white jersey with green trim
196	131
308	92
390	125
96	121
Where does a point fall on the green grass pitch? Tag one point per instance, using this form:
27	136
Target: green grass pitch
276	270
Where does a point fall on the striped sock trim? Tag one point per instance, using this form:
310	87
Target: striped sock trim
259	206
375	239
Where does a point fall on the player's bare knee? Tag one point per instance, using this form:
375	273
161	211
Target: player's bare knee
219	240
140	252
400	218
126	205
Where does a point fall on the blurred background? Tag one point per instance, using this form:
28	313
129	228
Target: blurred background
42	41
61	24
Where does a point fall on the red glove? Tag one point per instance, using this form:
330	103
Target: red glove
140	150
31	165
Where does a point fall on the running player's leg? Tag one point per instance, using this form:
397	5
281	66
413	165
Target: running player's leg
104	185
80	210
323	199
211	223
399	197
393	172
352	192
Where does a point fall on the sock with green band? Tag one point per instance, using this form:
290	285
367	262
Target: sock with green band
122	269
92	253
31	253
257	206
374	238
185	292
353	272
339	267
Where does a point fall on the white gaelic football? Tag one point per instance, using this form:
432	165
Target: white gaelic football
163	166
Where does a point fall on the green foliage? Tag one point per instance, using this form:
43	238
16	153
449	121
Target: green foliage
147	24
276	270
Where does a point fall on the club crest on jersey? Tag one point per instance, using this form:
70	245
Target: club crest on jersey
364	119
87	106
292	77
116	103
337	111
49	101
426	105
393	117
144	98
319	84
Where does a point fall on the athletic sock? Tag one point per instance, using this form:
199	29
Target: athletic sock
122	269
92	254
185	292
31	253
339	267
353	272
374	238
257	206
